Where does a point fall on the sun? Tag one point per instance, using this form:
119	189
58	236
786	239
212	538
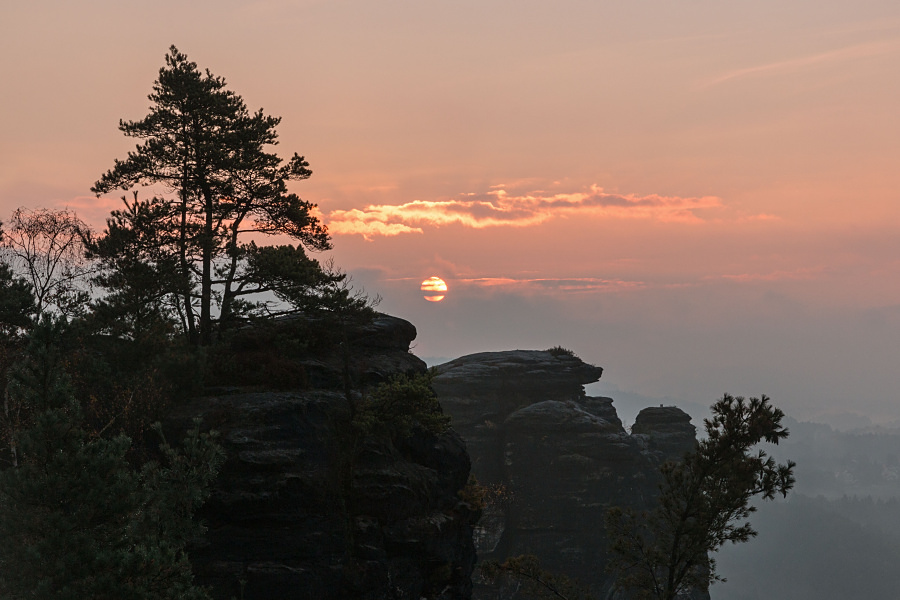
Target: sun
435	289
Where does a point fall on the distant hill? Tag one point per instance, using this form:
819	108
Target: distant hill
838	536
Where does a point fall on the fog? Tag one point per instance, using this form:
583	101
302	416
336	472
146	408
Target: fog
682	345
838	535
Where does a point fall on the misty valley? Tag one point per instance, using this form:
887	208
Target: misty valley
838	535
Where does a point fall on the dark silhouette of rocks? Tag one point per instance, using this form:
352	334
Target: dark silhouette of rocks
666	431
555	458
377	350
307	508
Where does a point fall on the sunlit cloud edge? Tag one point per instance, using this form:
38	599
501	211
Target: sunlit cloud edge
498	208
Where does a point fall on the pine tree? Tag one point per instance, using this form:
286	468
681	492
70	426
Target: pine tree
16	302
201	141
663	554
141	273
76	519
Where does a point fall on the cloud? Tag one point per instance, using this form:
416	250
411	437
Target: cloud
539	284
850	52
498	208
758	217
534	285
797	274
366	223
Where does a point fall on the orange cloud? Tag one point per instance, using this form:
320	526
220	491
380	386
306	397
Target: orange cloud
759	217
575	284
366	223
498	208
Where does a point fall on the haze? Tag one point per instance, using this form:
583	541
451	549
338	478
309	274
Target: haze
699	196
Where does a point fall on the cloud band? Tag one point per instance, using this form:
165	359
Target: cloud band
497	208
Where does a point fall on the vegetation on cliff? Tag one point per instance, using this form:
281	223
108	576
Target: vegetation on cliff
78	519
201	143
400	406
704	502
101	335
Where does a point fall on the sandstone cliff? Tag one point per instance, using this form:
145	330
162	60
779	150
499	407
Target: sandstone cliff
555	458
306	508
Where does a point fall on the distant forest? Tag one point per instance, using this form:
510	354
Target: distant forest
838	535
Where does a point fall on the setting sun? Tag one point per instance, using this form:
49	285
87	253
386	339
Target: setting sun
435	288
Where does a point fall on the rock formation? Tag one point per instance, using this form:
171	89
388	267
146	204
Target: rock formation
554	458
305	507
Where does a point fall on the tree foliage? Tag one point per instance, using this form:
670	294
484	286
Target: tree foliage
704	502
77	520
202	145
140	272
17	303
523	577
284	271
401	405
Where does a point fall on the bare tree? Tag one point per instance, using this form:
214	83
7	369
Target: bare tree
46	247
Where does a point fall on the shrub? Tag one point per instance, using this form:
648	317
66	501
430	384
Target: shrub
401	405
560	351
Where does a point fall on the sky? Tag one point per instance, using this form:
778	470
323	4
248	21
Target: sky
699	196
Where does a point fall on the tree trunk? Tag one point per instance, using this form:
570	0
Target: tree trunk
206	277
13	450
185	272
228	294
182	245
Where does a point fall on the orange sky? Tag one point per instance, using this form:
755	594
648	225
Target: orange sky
698	196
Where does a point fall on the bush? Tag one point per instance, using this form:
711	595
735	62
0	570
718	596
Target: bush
401	405
474	494
560	351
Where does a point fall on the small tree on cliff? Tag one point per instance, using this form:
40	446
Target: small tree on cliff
663	554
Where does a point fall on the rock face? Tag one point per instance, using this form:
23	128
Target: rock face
306	507
555	458
378	350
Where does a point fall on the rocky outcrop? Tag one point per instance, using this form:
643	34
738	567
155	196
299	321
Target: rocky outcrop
307	506
368	352
665	431
379	349
554	458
